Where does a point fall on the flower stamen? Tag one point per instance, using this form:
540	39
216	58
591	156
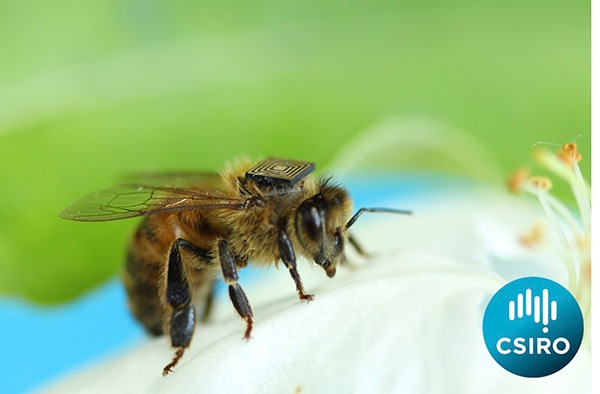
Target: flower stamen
540	183
534	236
517	179
574	233
569	154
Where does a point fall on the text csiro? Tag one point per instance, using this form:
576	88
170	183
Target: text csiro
535	347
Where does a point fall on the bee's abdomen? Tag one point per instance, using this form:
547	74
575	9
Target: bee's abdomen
143	272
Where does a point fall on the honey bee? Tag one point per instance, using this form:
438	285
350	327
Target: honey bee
197	224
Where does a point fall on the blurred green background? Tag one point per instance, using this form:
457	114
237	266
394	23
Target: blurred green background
92	90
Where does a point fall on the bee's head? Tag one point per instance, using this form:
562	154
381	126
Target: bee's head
321	225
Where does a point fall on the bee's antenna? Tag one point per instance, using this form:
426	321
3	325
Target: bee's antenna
360	212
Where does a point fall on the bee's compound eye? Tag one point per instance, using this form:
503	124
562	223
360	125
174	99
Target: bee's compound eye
311	220
338	240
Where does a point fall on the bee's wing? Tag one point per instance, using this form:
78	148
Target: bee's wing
130	200
208	181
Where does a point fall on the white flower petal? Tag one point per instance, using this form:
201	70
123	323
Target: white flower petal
408	320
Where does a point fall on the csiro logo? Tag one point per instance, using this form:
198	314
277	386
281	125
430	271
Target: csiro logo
533	327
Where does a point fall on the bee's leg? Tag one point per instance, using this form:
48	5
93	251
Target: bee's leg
236	293
179	297
357	246
201	254
288	257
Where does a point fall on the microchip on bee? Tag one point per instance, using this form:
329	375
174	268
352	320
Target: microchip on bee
279	172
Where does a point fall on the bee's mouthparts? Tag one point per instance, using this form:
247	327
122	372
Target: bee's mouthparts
329	269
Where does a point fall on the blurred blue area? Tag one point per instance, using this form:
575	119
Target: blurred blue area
40	344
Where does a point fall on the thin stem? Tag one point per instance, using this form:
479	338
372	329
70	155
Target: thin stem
567	247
